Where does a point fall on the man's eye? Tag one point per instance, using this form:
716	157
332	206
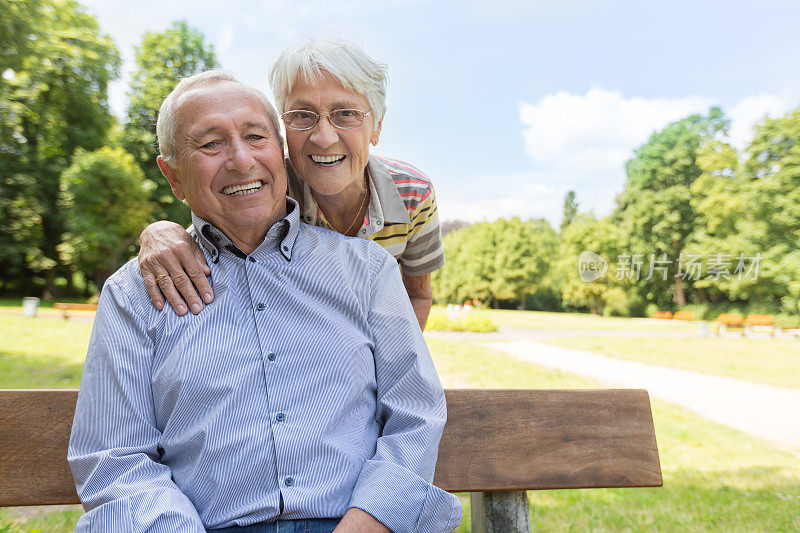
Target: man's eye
255	137
210	145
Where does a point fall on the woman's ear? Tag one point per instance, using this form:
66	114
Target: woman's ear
376	133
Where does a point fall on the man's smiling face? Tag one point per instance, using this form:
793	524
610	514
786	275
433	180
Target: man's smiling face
229	159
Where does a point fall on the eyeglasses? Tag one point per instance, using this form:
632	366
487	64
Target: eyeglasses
344	119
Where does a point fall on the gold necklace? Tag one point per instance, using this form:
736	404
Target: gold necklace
366	193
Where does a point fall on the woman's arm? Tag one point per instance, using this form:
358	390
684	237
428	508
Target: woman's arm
173	266
420	293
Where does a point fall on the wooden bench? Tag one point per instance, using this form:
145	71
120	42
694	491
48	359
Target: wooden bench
683	315
729	320
663	315
496	445
67	307
759	323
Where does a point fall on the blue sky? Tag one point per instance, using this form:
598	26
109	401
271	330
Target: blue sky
507	107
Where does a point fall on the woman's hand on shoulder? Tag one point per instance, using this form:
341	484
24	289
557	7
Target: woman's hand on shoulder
173	266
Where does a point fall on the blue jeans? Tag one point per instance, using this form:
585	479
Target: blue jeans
314	525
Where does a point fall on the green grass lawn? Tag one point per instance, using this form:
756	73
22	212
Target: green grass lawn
765	360
42	353
715	478
581	322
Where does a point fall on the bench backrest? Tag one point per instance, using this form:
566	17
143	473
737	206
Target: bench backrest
731	319
759	320
493	440
84	307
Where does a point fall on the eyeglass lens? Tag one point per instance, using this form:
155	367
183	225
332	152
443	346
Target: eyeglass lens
341	118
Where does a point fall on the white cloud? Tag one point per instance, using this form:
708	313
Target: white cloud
582	141
531	198
589	137
750	110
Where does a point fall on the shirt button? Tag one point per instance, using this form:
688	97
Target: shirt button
271	356
288	482
379	222
279	417
252	259
363	231
285	248
260	307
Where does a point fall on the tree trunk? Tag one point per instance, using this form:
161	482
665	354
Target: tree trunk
679	297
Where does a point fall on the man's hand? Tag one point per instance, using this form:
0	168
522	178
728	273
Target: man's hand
420	293
356	520
172	265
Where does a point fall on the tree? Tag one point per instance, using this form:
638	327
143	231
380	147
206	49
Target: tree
505	261
599	237
769	215
106	202
53	98
570	209
655	209
161	60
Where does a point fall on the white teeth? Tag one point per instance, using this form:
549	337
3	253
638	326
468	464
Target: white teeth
327	159
240	190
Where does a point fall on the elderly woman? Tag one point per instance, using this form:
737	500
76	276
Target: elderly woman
332	99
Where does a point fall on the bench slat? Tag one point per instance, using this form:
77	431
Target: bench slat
34	434
493	440
547	439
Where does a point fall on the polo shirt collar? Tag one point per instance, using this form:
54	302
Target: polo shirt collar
392	208
282	234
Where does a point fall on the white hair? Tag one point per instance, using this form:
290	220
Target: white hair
166	125
343	59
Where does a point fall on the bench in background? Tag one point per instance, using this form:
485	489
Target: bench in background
663	315
67	307
496	445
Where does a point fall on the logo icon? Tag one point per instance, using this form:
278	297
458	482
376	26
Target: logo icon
591	266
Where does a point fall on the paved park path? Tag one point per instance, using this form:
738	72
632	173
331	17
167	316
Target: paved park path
761	410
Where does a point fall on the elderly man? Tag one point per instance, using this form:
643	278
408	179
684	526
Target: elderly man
305	392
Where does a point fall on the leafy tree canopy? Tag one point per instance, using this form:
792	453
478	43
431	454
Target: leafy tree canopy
161	60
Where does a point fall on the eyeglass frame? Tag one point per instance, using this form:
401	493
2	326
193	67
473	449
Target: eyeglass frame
362	114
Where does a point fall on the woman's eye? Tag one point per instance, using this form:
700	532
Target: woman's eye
210	145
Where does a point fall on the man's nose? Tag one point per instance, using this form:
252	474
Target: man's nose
324	134
240	157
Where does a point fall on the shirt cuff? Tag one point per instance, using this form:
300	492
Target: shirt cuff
403	501
139	513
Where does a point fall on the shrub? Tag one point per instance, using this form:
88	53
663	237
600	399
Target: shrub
439	320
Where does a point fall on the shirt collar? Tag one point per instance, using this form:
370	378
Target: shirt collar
282	234
391	205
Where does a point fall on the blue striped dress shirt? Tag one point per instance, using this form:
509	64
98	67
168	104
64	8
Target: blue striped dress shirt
304	389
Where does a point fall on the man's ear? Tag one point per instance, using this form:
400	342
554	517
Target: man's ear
376	133
172	177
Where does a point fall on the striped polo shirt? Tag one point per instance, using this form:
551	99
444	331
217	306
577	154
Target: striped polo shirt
402	215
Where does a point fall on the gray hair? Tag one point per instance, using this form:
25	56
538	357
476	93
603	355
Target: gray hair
343	59
166	125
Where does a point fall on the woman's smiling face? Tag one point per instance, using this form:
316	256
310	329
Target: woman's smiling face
329	159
